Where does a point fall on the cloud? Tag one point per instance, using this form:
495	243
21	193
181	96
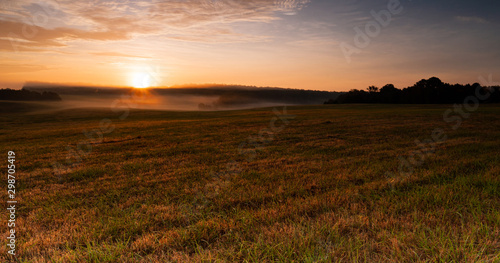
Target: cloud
290	7
37	25
116	54
20	36
315	42
20	68
189	13
471	19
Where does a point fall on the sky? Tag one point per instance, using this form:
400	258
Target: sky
334	45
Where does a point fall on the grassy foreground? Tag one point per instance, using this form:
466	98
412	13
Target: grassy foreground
181	186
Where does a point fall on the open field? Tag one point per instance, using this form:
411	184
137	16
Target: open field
158	188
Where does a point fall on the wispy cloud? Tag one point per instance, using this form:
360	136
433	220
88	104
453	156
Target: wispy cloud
14	36
20	68
116	54
471	19
187	20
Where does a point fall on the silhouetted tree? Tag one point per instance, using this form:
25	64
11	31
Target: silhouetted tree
425	91
372	89
28	95
389	94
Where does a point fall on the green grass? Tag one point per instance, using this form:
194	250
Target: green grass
159	188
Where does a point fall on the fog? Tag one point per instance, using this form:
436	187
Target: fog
168	103
154	102
206	98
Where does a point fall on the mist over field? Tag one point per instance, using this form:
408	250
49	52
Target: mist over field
190	98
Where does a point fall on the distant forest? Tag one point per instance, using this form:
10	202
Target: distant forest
231	96
28	95
430	91
225	96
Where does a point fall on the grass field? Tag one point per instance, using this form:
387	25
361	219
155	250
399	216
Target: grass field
181	186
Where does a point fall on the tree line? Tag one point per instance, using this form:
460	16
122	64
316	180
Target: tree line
225	96
28	95
426	91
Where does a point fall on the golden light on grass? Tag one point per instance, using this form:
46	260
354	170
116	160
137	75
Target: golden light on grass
155	199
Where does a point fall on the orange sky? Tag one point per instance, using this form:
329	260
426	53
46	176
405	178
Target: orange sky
284	43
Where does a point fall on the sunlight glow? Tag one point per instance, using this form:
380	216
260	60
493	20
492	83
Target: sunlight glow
141	80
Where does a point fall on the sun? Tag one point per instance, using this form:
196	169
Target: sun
141	80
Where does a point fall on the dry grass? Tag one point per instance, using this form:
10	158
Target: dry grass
158	190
